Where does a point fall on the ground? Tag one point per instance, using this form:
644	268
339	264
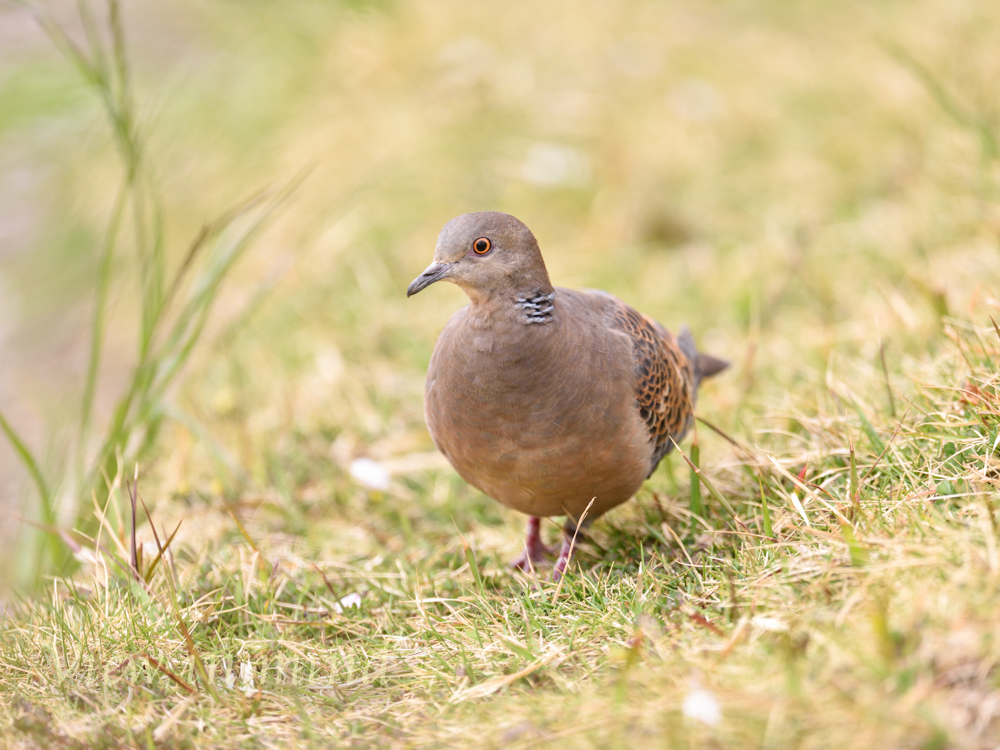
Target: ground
812	188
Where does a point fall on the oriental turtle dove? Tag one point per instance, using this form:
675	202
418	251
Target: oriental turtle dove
549	400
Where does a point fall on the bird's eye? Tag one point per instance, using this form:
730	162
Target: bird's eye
482	246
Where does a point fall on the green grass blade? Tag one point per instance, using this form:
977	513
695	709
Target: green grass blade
696	505
700	476
98	321
26	457
765	510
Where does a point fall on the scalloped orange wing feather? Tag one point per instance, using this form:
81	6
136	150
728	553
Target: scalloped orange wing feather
665	385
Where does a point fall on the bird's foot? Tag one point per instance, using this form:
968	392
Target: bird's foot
527	560
535	550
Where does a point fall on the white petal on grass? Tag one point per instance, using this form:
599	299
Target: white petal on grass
701	705
769	624
246	679
351	600
370	474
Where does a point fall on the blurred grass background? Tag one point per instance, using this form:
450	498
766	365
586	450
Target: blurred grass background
809	186
776	175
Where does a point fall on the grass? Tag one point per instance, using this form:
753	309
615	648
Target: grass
165	337
812	189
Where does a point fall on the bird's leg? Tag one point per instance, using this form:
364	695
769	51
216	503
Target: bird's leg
535	549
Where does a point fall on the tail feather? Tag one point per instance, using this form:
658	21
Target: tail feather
705	365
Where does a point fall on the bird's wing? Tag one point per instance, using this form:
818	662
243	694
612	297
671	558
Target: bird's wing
665	378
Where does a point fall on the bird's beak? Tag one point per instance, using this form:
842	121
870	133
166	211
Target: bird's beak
433	272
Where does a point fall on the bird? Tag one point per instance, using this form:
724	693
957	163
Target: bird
551	401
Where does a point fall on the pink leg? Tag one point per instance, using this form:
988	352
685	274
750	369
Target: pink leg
535	549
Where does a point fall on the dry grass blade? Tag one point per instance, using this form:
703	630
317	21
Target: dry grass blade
572	547
253	545
203	677
161	550
495	684
161	732
809	491
159	667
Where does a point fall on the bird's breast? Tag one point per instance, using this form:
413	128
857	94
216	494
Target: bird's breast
541	424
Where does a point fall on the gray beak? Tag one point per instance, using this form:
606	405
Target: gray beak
433	272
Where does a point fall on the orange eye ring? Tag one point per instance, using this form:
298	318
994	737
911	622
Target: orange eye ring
482	246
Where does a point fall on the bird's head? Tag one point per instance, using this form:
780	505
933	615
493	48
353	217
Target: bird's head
488	254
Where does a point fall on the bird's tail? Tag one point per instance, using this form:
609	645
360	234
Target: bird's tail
705	365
